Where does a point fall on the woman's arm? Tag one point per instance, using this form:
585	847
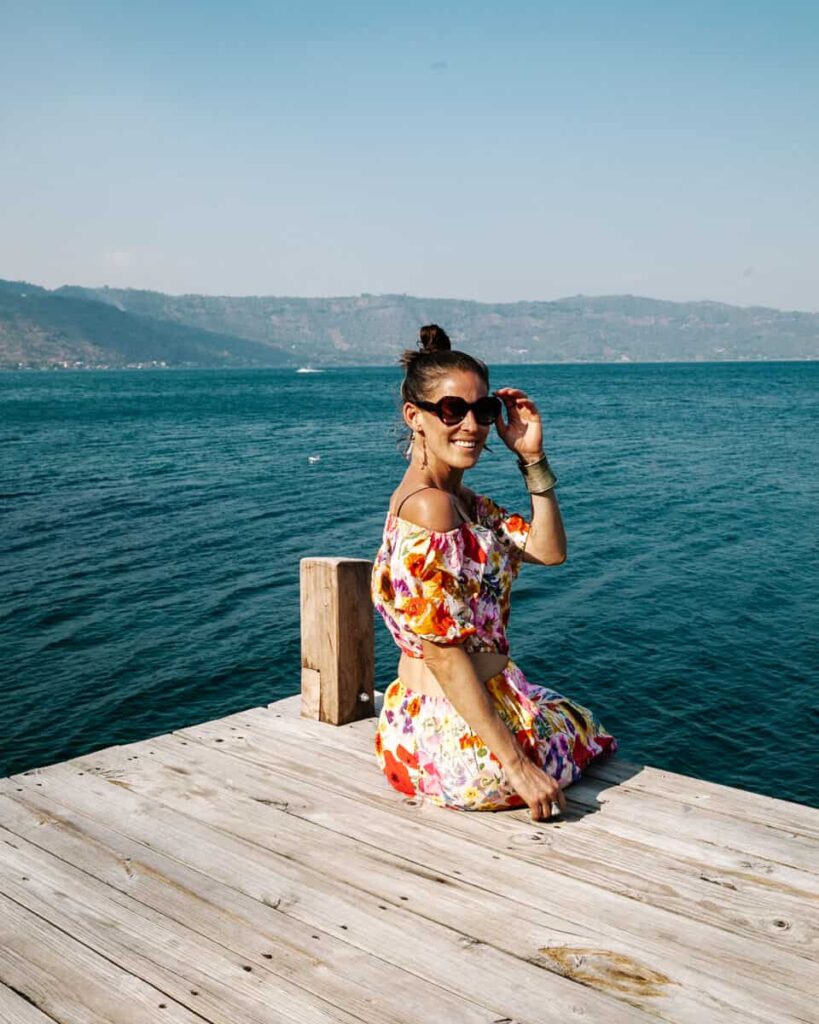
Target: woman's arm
523	435
456	675
546	543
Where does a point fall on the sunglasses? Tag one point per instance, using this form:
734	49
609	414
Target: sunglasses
451	410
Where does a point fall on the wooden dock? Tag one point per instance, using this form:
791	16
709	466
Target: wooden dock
260	869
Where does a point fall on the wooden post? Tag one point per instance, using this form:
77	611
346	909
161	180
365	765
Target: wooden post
337	643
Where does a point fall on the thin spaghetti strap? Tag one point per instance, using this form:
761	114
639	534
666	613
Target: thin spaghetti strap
426	487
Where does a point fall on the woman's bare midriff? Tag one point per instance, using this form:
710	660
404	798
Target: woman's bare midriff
415	675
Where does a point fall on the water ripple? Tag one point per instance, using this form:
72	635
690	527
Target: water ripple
153	526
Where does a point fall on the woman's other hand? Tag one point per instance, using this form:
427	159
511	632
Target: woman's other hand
538	789
522	432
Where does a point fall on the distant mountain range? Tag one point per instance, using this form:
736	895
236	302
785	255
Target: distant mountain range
110	327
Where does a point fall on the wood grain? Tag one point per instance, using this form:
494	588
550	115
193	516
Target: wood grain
337	646
259	868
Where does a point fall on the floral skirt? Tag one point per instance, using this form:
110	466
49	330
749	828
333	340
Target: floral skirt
426	748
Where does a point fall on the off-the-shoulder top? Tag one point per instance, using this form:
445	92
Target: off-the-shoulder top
452	586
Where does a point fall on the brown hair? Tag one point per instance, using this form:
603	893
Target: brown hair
432	359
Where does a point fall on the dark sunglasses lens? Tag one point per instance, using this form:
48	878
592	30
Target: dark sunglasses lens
453	410
487	409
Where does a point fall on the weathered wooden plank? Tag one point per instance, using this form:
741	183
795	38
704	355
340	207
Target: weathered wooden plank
126	904
738	803
627	775
744	905
337	808
74	984
17	1009
337	652
151	947
630	812
787	919
624	912
338	770
351	908
224	791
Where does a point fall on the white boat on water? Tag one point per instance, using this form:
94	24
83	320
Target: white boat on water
308	369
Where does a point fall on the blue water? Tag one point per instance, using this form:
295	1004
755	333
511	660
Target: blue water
153	523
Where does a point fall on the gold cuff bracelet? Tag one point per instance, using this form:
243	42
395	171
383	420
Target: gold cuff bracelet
538	476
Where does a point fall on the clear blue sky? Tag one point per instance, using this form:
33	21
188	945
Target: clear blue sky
476	150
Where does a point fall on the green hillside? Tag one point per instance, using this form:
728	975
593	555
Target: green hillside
117	327
40	329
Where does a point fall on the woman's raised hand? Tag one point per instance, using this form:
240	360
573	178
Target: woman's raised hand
538	789
522	432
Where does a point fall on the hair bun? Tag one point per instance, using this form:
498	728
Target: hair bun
432	360
433	338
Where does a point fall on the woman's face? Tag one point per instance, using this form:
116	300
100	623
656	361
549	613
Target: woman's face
460	445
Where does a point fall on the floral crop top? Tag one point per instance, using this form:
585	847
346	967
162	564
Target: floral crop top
449	587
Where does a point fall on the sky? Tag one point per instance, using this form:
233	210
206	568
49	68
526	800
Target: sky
487	151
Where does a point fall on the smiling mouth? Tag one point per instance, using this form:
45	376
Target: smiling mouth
469	445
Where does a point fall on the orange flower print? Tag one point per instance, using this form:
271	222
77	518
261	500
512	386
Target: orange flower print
442	621
379	743
404	755
397	774
515	524
415	607
414	564
414	707
469	739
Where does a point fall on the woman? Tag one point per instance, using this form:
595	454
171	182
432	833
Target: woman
461	725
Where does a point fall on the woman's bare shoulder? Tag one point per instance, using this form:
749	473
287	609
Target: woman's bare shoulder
430	508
